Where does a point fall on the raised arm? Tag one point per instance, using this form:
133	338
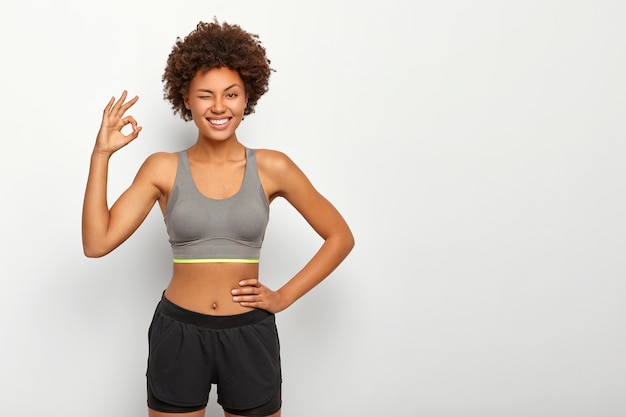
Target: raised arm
104	229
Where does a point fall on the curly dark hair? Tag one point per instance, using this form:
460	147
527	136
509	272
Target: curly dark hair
215	45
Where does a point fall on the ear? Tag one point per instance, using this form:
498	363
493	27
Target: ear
186	101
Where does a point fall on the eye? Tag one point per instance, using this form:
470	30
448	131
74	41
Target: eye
231	95
204	97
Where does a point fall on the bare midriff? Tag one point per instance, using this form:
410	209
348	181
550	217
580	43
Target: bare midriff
206	287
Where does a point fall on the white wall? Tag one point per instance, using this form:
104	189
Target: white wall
476	149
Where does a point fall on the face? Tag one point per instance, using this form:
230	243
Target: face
217	100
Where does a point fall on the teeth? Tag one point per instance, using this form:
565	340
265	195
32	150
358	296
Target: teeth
218	121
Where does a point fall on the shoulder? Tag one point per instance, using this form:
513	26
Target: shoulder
273	161
159	168
160	160
280	175
158	172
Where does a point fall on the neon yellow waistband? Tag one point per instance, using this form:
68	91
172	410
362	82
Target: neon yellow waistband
215	260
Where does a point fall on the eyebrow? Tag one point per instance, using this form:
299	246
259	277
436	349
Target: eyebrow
206	90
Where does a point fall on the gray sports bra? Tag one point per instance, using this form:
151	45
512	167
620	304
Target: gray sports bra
202	229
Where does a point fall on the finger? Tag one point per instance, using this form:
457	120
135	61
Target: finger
253	305
134	134
247	298
118	104
250	302
109	105
129	104
250	283
121	99
130	120
246	291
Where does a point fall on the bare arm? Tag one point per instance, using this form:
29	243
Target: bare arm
104	229
288	181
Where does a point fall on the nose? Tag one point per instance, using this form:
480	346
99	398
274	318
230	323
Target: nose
218	105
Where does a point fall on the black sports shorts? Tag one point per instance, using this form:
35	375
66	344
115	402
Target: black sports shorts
189	351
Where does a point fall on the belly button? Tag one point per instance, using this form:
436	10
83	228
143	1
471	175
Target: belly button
214	306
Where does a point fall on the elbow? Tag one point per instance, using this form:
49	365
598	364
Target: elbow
340	244
90	253
94	251
347	243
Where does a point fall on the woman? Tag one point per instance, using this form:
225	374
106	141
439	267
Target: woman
215	322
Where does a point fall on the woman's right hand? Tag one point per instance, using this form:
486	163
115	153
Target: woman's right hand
110	137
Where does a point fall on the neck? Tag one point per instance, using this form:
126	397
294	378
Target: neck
230	150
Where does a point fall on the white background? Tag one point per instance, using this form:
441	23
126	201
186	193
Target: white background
475	148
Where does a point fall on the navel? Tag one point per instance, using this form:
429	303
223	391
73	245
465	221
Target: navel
214	306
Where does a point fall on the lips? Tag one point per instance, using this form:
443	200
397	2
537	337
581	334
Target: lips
218	122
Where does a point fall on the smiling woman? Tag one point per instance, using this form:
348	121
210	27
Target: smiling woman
215	323
215	109
213	45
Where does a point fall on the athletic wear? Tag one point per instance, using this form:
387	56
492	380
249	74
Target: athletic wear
202	229
189	351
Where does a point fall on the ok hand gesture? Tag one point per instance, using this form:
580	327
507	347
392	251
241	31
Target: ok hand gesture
110	137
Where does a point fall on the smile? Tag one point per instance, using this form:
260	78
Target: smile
218	122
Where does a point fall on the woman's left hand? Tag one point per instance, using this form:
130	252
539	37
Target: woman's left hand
251	293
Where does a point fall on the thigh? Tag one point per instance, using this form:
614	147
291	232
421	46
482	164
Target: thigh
179	371
249	367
